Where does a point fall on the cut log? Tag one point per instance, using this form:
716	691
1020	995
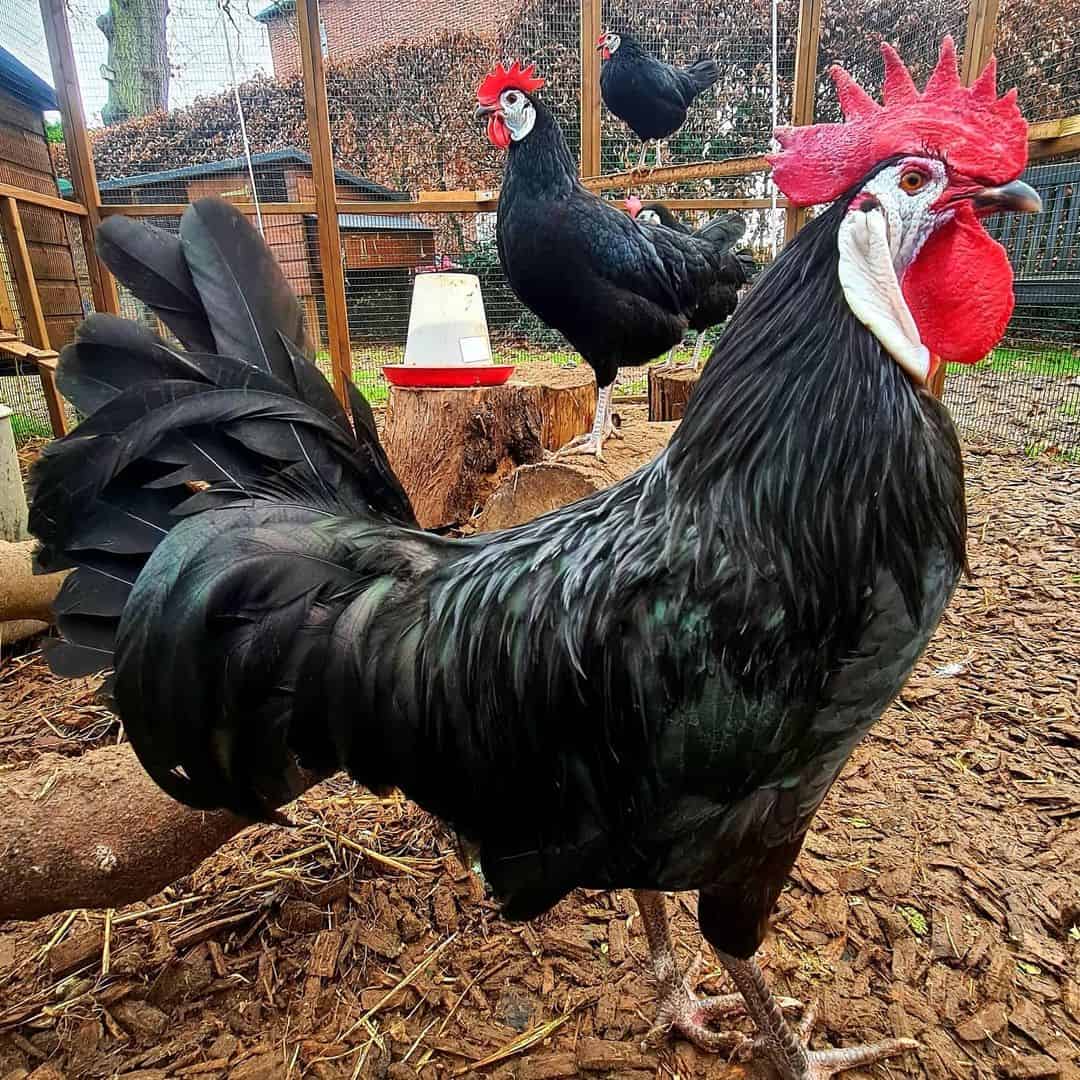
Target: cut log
24	595
669	390
452	448
96	831
11	633
535	489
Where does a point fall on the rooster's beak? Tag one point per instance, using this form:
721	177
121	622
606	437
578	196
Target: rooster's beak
599	46
484	110
1016	197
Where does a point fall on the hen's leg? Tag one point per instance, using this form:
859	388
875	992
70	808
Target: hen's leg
699	345
679	1009
786	1047
644	151
659	153
593	443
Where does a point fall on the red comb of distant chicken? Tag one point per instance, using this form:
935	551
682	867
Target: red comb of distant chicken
979	134
513	78
633	205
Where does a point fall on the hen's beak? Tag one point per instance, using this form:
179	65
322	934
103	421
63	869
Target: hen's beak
483	111
1016	197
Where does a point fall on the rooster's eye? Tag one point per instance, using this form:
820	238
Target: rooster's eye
511	99
913	180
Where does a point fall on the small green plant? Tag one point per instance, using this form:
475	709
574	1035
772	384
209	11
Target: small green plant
915	919
54	131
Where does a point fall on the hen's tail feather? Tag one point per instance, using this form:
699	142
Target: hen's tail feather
150	262
702	74
172	433
725	230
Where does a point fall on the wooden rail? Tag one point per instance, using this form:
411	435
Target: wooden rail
77	143
35	329
590	89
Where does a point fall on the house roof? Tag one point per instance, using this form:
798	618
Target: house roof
279	7
383	222
211	168
19	81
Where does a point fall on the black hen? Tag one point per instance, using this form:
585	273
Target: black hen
721	298
649	96
652	688
621	295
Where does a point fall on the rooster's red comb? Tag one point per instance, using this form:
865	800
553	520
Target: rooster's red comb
979	134
513	78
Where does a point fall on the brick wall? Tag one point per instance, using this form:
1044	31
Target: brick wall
355	27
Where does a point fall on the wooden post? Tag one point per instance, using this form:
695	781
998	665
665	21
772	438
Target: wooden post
35	328
978	38
590	88
77	142
322	169
807	42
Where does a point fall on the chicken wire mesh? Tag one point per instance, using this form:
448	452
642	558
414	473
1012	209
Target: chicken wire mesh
401	81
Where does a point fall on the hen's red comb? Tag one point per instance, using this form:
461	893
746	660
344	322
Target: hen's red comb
633	205
513	78
979	134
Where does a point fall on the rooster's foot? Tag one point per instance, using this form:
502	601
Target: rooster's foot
786	1047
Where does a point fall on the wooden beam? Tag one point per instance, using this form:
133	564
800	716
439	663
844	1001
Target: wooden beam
50	202
35	329
590	88
978	38
176	209
77	143
674	174
1044	148
322	171
807	43
1061	128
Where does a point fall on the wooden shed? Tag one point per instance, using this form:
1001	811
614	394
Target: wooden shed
369	242
25	163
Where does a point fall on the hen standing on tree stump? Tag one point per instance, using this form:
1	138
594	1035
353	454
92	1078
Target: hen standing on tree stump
620	293
649	96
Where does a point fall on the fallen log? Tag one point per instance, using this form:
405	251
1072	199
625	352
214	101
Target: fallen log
532	490
95	832
24	595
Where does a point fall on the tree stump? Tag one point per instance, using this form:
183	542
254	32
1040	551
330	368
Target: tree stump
535	489
669	390
452	448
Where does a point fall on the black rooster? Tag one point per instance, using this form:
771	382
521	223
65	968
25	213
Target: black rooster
722	296
649	96
620	294
653	688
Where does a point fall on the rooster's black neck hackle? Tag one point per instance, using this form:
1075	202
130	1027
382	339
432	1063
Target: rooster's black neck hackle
807	451
540	165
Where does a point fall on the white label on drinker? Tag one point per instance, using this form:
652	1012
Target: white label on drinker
474	350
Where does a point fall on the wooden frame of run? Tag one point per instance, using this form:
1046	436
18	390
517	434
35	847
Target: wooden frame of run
1047	138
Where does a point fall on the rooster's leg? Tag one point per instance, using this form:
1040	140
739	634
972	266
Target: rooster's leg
593	443
680	1010
786	1047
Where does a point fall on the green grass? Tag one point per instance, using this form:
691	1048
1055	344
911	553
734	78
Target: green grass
28	427
1004	361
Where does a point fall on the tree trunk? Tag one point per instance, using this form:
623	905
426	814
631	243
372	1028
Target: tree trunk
670	386
452	448
137	69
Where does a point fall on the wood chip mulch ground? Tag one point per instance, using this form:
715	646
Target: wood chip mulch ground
938	895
